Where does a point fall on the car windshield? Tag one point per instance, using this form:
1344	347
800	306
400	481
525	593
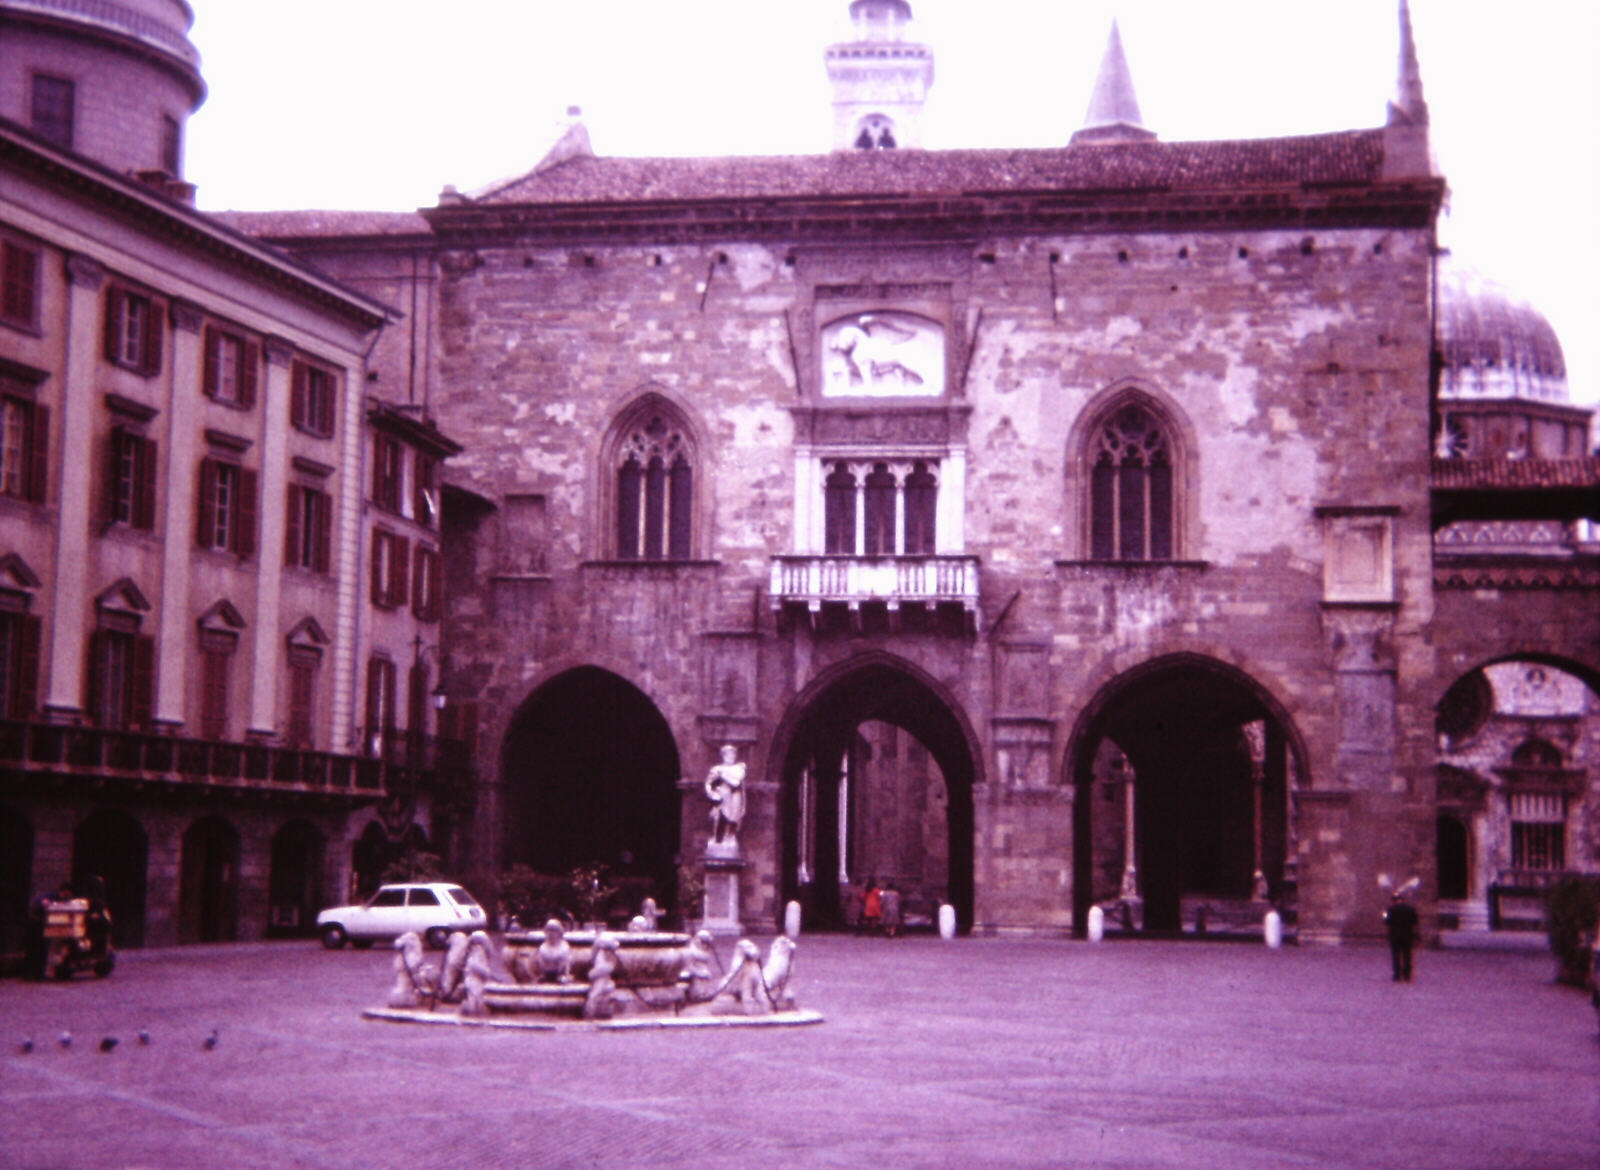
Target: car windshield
460	897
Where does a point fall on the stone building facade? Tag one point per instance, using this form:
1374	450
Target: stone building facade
201	699
1102	474
1044	528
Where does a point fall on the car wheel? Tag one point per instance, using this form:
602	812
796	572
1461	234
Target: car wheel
438	937
333	936
361	944
105	966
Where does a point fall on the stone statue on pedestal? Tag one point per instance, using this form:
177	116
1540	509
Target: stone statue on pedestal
725	789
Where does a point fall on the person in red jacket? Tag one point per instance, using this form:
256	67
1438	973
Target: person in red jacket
872	906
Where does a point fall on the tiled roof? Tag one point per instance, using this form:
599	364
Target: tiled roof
1515	474
302	225
1354	156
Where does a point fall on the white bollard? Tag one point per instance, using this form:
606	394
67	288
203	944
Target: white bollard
1097	924
1272	928
791	920
947	922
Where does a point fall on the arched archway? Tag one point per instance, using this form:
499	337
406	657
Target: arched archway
16	878
208	883
1184	767
369	857
113	845
295	884
877	767
589	774
1518	747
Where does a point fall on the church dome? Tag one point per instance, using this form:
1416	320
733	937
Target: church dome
1495	346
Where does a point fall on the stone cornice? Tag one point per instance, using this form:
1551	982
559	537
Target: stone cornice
919	217
27	155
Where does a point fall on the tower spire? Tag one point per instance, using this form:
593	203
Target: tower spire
1409	104
1113	106
1407	152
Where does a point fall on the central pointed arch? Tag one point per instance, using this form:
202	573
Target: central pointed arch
1184	767
876	763
589	774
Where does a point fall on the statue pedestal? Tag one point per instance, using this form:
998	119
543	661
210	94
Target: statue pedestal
721	911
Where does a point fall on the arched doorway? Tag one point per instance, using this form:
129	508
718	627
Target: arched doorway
113	845
16	879
877	769
369	857
208	884
295	884
589	775
1183	769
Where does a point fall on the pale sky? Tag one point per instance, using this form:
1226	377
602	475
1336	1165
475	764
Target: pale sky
377	104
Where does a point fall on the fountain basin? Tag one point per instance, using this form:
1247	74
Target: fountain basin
644	958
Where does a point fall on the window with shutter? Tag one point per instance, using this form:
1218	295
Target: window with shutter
299	732
386	472
307	535
133	331
120	679
425	587
130	479
226	508
232	365
24	448
214	666
19	665
19	283
311	399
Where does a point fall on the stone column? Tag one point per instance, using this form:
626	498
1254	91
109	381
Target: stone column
1130	873
74	488
1255	735
178	517
348	569
950	506
269	566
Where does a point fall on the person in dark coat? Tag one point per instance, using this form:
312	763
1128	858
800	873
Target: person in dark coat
1401	920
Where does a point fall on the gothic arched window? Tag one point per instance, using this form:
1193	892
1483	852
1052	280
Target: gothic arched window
1131	507
654	470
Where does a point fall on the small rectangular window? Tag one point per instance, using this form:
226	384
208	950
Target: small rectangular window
226	508
386	472
308	528
391	564
380	705
425	491
19	665
120	677
130	497
232	366
171	146
302	702
19	284
133	331
53	109
24	448
425	591
214	666
311	400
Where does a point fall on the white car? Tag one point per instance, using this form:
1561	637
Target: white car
435	910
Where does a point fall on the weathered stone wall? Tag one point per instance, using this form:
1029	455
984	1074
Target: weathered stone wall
1293	367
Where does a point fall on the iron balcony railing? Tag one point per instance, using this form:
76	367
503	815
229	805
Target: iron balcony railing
814	581
30	746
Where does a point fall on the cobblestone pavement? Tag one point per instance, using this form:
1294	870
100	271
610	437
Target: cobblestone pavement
988	1053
